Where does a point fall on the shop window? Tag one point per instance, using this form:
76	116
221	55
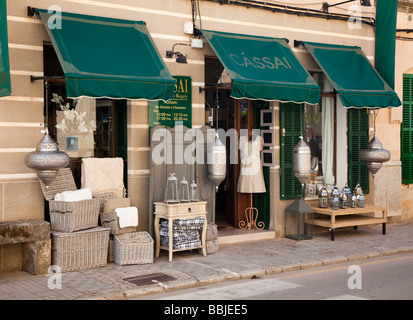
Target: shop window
84	127
318	125
319	134
406	134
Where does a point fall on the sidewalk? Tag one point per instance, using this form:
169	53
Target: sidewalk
231	262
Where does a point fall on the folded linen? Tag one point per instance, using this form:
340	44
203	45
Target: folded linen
128	217
76	195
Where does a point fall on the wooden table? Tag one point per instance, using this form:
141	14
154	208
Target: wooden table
349	217
175	211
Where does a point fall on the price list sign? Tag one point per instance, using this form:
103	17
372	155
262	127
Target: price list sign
178	108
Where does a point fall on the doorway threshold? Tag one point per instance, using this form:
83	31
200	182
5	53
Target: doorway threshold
235	235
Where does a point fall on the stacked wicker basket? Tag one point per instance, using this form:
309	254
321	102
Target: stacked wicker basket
77	240
211	244
126	245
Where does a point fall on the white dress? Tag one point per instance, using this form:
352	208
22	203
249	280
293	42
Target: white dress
251	178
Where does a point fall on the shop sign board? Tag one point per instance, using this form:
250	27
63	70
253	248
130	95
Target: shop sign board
178	108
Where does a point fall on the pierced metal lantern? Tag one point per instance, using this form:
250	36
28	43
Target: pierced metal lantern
194	192
216	159
302	161
323	198
299	219
171	191
335	192
347	191
353	200
360	200
183	190
358	190
374	155
335	202
47	159
343	200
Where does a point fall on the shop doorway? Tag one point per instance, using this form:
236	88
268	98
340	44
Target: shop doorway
233	115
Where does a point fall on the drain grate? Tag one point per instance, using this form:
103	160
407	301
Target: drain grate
150	279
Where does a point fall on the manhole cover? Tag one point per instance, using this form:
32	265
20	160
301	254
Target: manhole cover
150	279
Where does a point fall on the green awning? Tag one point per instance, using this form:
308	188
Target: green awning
353	76
105	57
5	86
263	68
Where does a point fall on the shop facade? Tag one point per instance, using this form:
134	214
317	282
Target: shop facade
206	93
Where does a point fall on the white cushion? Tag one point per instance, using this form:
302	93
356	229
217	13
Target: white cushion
77	195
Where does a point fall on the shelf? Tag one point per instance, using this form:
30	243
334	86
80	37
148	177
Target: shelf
348	211
349	217
176	250
347	221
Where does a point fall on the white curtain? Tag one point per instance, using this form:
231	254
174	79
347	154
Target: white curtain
328	135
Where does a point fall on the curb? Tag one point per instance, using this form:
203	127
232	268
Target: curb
246	274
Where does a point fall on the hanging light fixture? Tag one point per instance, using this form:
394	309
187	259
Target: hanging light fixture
216	159
47	159
217	155
302	161
374	155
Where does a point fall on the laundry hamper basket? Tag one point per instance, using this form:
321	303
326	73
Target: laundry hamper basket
69	216
133	248
80	250
109	218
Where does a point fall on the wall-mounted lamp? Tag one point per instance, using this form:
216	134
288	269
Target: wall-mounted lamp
180	58
326	5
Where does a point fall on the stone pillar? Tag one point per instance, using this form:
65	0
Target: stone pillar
36	256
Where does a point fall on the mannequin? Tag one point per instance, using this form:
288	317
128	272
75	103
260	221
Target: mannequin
251	178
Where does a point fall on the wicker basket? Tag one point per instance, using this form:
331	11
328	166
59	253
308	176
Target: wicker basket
111	220
70	216
111	250
133	248
80	250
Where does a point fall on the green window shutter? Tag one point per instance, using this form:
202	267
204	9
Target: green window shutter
290	124
358	138
406	130
121	143
121	148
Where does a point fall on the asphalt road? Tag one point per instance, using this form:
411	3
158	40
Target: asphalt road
383	278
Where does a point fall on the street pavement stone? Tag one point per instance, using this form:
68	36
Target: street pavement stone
232	262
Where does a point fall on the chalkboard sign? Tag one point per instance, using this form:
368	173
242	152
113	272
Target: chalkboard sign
178	108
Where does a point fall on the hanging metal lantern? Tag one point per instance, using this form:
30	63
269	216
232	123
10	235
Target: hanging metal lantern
47	159
216	160
374	155
302	161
